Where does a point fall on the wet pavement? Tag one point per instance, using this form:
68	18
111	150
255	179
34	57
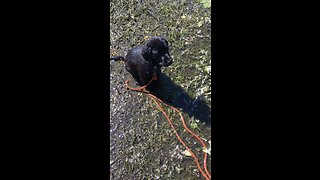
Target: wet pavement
142	143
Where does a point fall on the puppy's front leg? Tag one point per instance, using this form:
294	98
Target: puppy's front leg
145	76
157	69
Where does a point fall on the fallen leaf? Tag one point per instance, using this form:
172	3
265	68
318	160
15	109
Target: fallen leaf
186	152
194	125
200	23
206	3
205	150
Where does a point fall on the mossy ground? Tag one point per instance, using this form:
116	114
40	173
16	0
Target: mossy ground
142	144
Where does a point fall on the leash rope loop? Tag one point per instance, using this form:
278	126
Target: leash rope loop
206	174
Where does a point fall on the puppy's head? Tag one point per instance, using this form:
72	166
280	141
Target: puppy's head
158	50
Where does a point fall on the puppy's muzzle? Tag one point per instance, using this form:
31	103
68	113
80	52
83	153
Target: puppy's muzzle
166	60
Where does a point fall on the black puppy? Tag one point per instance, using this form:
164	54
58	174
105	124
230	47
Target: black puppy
144	60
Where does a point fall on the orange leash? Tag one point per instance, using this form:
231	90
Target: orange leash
206	174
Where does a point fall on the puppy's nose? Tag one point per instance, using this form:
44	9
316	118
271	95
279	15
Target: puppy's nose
169	61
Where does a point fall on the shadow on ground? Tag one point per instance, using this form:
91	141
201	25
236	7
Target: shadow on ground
142	143
172	94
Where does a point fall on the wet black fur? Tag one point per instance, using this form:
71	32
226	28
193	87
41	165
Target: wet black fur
144	60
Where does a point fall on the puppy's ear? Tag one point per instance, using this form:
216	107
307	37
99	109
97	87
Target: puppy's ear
152	44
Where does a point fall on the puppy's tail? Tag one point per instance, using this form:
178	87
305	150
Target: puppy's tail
117	58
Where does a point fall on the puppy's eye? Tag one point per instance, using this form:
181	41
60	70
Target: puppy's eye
154	51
